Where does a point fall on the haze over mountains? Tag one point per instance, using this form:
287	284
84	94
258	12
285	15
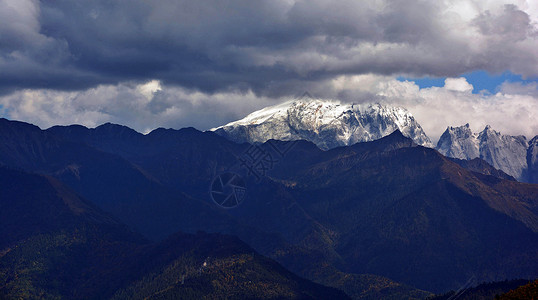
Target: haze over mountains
386	218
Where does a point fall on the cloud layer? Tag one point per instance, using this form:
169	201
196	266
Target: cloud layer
258	45
177	63
513	110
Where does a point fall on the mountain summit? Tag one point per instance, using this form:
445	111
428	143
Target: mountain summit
327	123
511	154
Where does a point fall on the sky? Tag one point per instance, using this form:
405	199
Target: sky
174	63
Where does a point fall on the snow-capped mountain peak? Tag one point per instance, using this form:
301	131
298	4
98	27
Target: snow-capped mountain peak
459	142
327	123
505	152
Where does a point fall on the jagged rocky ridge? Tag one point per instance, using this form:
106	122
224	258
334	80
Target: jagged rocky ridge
512	154
328	124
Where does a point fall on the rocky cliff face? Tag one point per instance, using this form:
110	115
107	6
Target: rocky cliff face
532	160
510	154
459	142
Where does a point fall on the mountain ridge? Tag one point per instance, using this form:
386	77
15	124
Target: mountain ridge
327	123
386	207
158	184
53	248
330	124
511	154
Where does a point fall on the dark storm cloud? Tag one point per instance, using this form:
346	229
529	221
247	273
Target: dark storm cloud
251	45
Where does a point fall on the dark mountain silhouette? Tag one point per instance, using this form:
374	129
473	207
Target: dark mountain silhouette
147	191
55	244
386	207
528	291
32	205
111	182
186	160
486	291
481	166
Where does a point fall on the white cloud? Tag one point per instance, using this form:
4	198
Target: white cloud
149	89
513	110
458	85
519	88
143	106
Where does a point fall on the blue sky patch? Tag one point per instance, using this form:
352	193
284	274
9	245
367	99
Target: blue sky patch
425	82
481	80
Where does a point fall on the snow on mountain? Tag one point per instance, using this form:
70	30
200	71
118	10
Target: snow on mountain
327	123
532	160
459	142
505	152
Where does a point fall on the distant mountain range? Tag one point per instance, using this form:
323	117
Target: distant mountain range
350	217
330	124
